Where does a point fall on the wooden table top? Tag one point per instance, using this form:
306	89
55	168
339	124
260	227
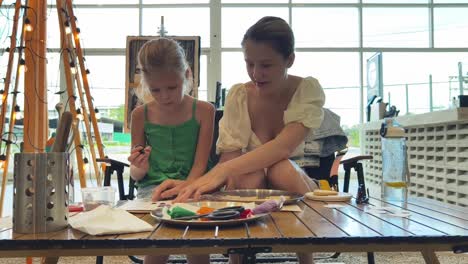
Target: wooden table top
431	225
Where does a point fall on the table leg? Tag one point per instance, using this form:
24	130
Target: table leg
430	257
370	258
49	260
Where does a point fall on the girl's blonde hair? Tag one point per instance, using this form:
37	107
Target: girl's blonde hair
161	54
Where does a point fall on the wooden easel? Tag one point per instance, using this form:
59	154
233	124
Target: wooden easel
71	52
5	99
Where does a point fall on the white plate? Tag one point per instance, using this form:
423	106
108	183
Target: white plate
257	195
340	197
216	205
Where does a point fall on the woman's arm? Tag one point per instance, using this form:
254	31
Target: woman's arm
138	161
262	157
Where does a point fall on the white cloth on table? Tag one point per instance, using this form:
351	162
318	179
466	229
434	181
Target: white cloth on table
105	220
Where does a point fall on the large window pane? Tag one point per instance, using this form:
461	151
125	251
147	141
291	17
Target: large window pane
395	27
203	89
105	27
326	27
196	22
323	1
396	1
450	1
254	1
107	2
53	79
412	71
176	1
338	73
107	80
236	21
233	69
451	27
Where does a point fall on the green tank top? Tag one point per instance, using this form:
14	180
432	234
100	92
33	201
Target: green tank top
172	149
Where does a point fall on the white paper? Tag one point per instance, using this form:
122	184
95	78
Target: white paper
142	205
105	220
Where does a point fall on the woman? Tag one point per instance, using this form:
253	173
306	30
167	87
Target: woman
265	121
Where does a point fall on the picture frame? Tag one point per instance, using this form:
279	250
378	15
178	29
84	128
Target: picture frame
191	46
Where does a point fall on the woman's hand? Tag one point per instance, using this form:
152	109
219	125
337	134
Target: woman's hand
214	179
139	157
168	189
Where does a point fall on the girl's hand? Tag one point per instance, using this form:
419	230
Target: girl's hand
167	189
139	157
209	182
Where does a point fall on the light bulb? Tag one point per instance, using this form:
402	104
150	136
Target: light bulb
79	115
18	114
27	25
98	115
67	27
72	67
22	66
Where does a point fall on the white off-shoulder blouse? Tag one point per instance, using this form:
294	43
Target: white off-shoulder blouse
235	130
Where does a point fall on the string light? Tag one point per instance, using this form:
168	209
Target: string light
2	95
79	115
85	163
22	66
18	114
72	67
27	25
78	31
87	71
2	160
98	115
67	27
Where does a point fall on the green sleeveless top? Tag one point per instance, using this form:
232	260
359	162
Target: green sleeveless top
172	149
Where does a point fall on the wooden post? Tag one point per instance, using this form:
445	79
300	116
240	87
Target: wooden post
35	85
4	100
11	55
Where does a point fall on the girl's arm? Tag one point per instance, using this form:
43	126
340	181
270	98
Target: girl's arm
206	114
138	161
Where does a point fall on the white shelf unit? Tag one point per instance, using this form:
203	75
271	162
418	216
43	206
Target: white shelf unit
437	156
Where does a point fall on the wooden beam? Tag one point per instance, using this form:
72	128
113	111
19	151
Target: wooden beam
5	97
66	54
35	85
84	75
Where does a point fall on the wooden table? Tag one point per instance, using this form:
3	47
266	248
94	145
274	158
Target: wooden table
432	226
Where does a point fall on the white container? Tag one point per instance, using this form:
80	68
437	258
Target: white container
93	197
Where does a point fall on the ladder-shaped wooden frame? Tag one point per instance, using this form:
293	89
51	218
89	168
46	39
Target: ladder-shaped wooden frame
71	53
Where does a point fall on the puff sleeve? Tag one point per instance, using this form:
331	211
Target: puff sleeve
234	127
306	106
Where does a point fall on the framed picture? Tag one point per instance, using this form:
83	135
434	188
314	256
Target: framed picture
191	46
374	76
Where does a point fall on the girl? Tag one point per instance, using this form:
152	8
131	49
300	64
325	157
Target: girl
172	131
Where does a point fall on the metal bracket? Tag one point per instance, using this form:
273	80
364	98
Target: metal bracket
249	253
460	249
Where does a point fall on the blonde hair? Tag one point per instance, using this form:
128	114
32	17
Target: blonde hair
161	54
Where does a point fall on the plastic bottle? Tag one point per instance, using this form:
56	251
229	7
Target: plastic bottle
395	176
